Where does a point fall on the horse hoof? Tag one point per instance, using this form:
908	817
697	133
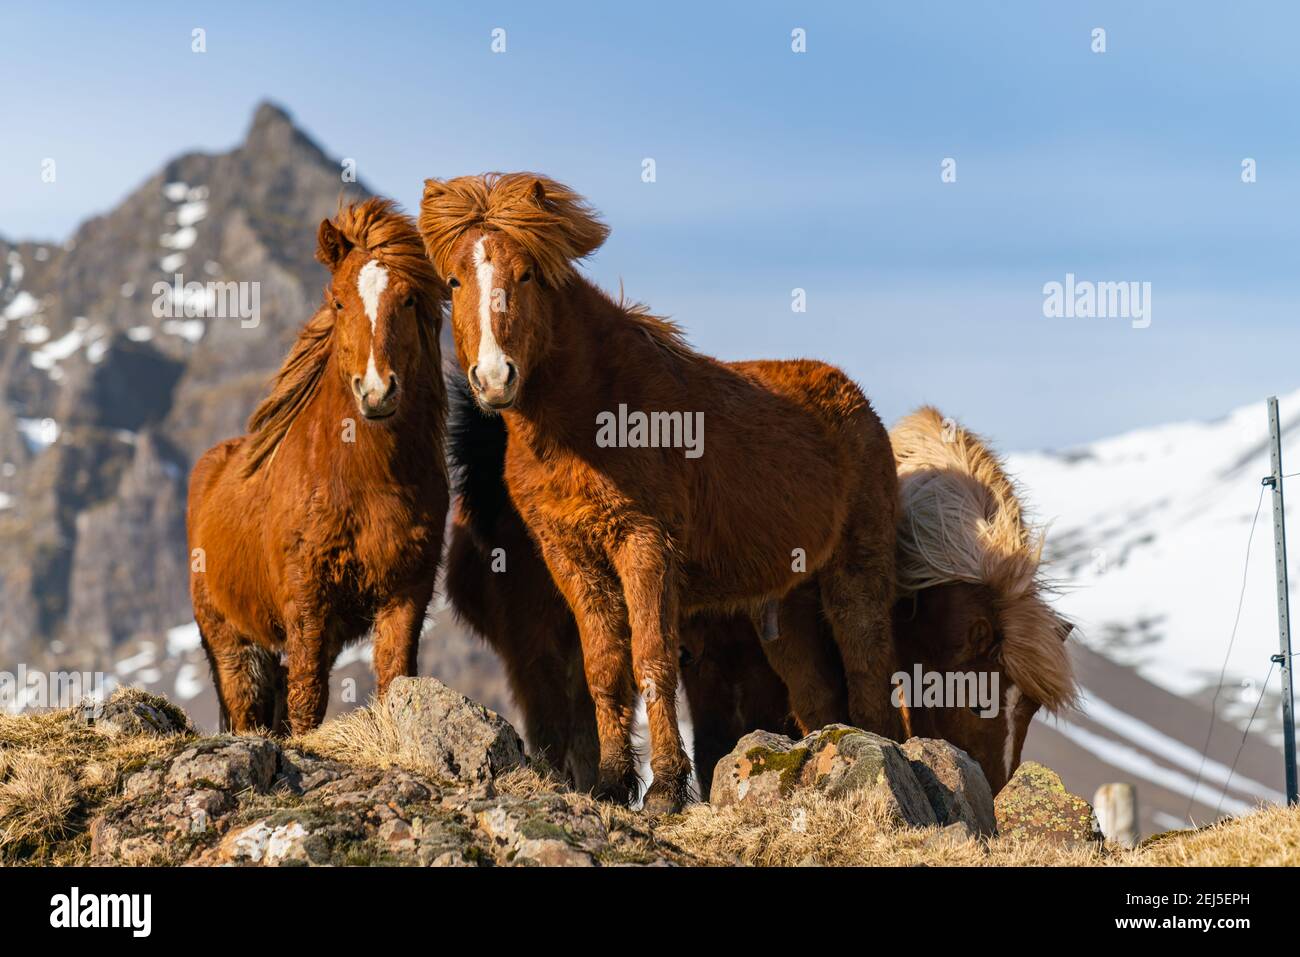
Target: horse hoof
666	797
616	792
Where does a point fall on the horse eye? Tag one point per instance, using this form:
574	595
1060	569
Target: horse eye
528	274
410	301
453	282
337	304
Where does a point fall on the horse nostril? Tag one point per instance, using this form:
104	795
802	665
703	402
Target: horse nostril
392	386
473	378
511	372
356	386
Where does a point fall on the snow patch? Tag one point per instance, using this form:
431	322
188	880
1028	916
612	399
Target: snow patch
24	304
39	434
181	239
192	212
190	330
172	262
189	683
183	638
176	192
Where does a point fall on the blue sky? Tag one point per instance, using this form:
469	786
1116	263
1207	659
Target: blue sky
778	170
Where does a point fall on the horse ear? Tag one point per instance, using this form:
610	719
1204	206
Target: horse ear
539	193
1064	628
331	245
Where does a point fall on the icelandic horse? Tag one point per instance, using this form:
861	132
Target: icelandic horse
796	478
972	600
328	517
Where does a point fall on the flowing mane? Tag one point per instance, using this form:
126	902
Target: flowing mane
961	521
378	227
551	222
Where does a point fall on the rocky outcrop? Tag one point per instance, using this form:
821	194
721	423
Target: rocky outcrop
764	768
954	784
253	801
456	737
1034	804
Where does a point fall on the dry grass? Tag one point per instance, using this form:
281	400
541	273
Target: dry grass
370	737
53	771
858	831
56	771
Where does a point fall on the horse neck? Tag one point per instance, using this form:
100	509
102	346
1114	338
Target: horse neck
404	445
596	352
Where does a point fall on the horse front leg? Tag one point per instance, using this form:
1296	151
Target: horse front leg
592	590
651	598
308	665
397	635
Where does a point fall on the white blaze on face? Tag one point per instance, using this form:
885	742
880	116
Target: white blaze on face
492	370
371	283
1009	754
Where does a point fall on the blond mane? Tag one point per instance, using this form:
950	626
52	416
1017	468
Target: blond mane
388	235
961	521
555	226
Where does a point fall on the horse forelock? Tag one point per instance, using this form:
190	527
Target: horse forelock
961	520
388	237
552	224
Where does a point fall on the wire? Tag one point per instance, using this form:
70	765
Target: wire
1205	750
1263	689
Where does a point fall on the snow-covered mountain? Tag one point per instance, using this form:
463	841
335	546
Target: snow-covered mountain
1150	542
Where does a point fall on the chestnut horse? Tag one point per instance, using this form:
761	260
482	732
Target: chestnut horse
328	517
970	605
498	585
971	601
797	477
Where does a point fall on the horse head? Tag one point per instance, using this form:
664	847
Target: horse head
958	631
386	304
505	244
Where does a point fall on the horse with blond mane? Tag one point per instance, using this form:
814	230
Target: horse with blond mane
328	517
796	479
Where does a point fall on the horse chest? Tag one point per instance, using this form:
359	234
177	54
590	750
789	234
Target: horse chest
370	547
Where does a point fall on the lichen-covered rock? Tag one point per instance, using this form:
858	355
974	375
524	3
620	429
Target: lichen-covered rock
953	783
454	735
1035	804
837	760
130	711
226	763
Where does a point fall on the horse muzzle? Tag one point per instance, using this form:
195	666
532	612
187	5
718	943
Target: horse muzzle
496	392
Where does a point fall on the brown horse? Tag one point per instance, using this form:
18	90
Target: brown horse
797	478
328	517
970	607
972	603
498	584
